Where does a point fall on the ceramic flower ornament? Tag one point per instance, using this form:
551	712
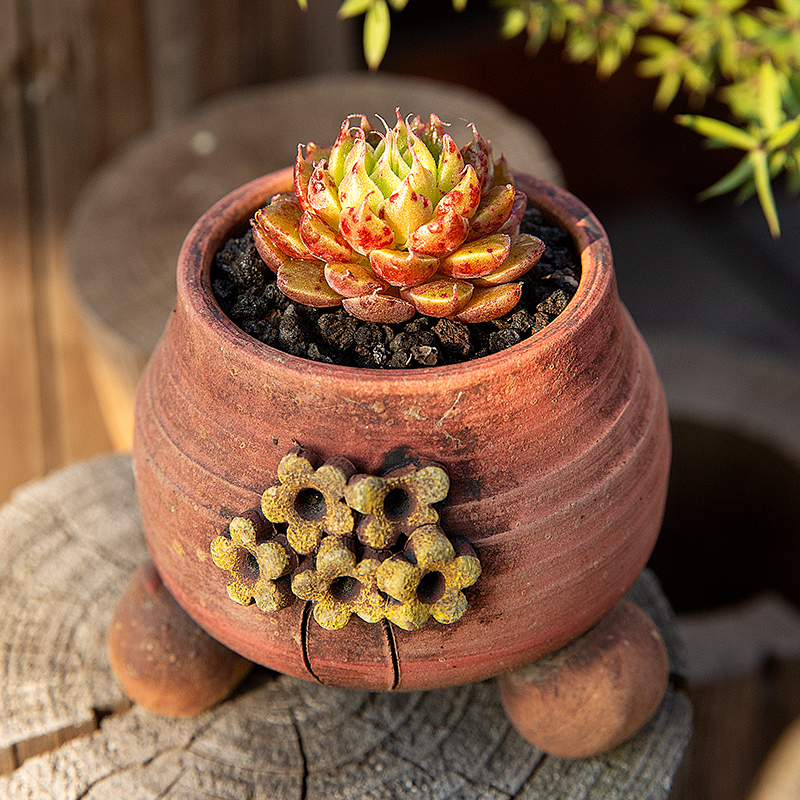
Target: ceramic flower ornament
340	585
397	503
308	500
393	223
354	545
427	578
255	568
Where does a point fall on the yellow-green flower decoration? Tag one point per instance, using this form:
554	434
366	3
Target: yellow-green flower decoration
340	585
259	571
309	500
397	503
426	580
404	568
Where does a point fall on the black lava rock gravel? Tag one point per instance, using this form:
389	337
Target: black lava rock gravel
247	293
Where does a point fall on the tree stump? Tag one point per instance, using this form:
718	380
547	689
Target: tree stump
132	217
68	545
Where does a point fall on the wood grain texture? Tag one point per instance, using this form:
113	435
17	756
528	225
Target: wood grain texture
20	400
77	79
279	737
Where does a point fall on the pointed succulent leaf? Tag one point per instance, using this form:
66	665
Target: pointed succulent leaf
524	253
303	168
352	280
270	255
502	172
423	167
403	267
304	282
323	196
432	133
280	222
324	242
465	197
451	165
442	235
478	154
439	298
339	152
395	149
363	229
405	210
478	258
379	308
494	210
490	303
356	185
383	175
518	207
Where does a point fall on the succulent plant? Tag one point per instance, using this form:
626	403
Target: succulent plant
388	224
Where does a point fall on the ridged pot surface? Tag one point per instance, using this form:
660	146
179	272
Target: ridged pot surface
557	450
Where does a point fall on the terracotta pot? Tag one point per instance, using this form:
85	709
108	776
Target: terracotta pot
557	449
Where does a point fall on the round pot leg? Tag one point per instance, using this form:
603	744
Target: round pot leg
594	693
163	659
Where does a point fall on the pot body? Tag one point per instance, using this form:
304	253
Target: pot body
557	449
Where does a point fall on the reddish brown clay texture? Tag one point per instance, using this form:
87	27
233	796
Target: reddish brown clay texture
557	451
596	692
164	660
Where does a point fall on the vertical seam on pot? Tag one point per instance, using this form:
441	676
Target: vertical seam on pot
304	641
387	629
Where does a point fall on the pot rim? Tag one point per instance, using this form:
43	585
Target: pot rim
214	227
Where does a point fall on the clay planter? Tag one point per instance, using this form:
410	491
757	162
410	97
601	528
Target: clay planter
557	451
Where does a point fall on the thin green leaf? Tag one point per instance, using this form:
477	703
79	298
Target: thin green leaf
377	27
769	96
763	183
737	177
784	134
720	131
668	87
354	8
777	162
303	4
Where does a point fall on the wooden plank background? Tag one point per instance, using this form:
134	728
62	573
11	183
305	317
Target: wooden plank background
78	78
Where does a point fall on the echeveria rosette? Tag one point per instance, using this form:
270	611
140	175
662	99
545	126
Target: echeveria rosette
390	224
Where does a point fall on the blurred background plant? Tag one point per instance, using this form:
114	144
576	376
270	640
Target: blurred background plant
747	58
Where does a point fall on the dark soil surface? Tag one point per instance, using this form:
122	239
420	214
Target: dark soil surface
246	292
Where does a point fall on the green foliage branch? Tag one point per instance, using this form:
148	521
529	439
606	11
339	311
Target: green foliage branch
746	57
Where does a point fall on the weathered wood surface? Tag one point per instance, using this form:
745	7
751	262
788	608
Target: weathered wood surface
132	217
68	544
78	78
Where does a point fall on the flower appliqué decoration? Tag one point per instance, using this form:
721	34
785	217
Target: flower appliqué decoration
397	503
259	570
350	544
427	578
340	585
309	500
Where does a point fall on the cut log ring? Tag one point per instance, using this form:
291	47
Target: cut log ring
594	693
162	658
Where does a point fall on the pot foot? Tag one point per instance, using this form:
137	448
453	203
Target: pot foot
594	693
162	658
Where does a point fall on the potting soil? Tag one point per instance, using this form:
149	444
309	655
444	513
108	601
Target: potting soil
247	293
